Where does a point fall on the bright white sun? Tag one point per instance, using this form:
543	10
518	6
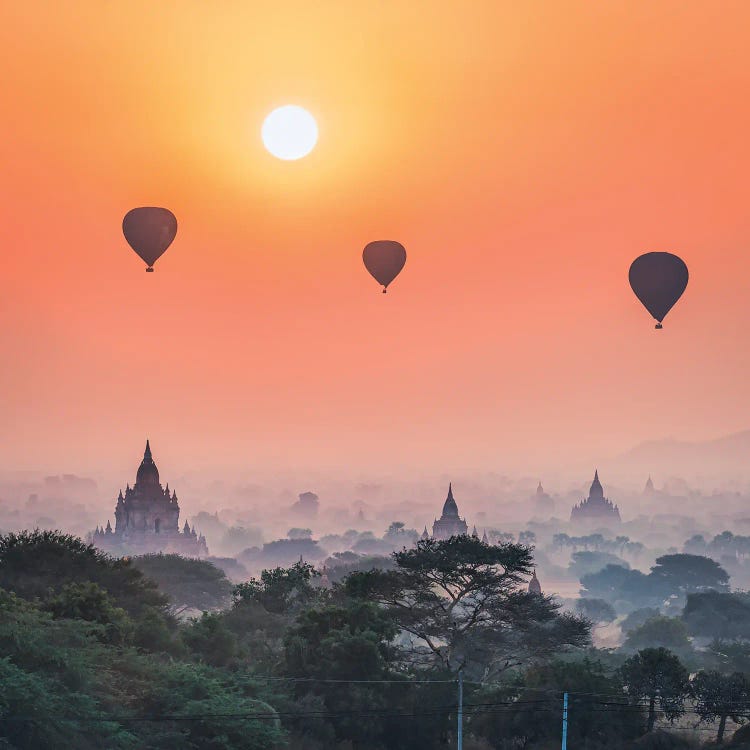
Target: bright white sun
289	132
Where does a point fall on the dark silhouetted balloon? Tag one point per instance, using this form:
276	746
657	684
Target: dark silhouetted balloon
658	280
149	231
384	259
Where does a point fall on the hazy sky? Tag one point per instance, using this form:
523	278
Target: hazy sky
524	153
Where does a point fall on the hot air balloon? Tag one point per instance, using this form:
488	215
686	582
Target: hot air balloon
658	280
149	231
384	259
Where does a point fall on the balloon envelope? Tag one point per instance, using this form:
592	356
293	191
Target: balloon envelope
149	231
658	280
384	259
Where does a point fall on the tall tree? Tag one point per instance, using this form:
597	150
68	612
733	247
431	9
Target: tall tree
281	589
596	610
586	562
616	584
658	676
720	696
189	583
687	574
669	632
716	615
352	640
464	604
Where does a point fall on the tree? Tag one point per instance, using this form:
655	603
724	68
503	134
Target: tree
352	640
658	676
74	689
90	602
716	615
189	583
637	617
210	638
287	551
583	563
398	535
341	565
281	589
621	542
596	610
696	545
367	544
527	715
464	603
221	710
689	573
48	671
719	696
672	575
669	632
297	533
35	563
619	586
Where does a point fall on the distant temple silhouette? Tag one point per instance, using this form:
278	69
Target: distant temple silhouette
595	509
541	501
147	519
449	524
534	586
307	505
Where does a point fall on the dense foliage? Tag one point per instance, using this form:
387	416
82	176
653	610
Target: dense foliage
92	655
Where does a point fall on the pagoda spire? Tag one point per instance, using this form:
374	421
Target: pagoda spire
534	586
596	486
450	509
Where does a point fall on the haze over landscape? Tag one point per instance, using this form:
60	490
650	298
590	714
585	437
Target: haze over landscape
498	472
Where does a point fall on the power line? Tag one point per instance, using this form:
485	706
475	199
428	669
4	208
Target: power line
471	708
405	681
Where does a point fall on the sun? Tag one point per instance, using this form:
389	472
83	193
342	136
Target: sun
289	132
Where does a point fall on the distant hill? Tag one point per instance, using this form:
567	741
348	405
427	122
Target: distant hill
725	455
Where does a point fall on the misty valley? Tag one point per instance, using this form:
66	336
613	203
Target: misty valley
353	617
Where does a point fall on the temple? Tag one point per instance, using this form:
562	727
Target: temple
147	519
595	509
541	501
449	524
534	586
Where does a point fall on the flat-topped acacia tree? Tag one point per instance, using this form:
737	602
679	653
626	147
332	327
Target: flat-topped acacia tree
463	604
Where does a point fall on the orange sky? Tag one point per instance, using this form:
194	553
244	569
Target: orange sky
524	153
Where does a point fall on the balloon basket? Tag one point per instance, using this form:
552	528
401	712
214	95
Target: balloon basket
384	291
658	326
150	269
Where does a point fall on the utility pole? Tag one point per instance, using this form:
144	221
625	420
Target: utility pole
565	722
460	734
